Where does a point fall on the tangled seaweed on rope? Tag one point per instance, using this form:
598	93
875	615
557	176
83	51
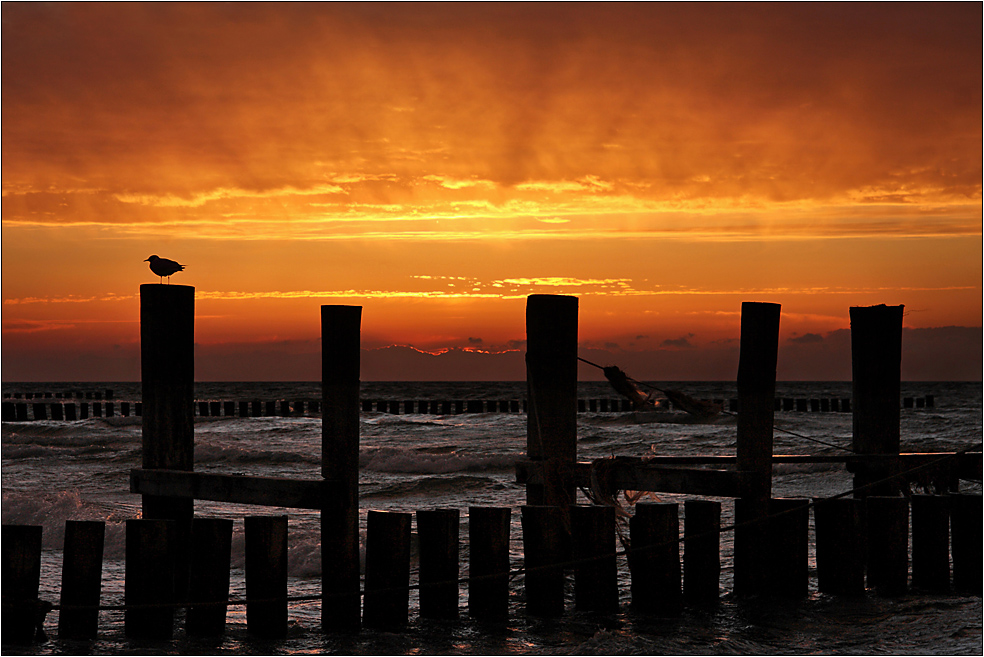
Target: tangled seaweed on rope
603	491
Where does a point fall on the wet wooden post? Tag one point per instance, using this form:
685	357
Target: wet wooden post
21	579
965	537
839	546
167	364
545	547
81	579
757	360
551	380
149	579
654	560
702	551
341	328
211	547
888	544
931	543
789	541
488	561
876	366
266	575
437	531
387	602
595	567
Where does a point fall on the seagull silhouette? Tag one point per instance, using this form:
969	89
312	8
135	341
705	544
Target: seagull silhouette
163	267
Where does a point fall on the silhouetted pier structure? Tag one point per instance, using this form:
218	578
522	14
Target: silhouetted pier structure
174	559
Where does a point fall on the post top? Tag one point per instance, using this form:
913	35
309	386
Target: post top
160	288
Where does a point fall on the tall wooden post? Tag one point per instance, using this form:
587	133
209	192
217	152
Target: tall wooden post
757	360
340	362
167	374
21	547
876	365
551	379
81	579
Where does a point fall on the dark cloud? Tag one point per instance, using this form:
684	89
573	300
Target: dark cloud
682	342
475	340
807	338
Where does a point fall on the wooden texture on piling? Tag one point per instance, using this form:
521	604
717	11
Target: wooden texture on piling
81	579
654	558
211	547
546	544
149	579
341	328
702	551
931	543
788	538
266	575
593	551
839	546
387	596
876	366
965	539
437	532
888	544
21	579
167	363
488	561
551	378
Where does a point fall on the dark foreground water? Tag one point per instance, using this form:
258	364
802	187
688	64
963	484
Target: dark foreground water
57	471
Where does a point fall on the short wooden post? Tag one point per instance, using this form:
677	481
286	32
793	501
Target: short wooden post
341	328
876	365
256	408
930	543
593	548
488	561
266	575
654	558
888	544
167	362
81	579
965	536
702	551
437	532
243	409
839	546
551	381
546	543
21	579
211	546
387	597
229	408
270	408
149	579
757	361
124	409
788	556
57	412
40	410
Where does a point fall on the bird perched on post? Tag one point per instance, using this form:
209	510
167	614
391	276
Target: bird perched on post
163	267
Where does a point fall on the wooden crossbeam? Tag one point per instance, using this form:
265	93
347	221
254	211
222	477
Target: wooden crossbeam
236	489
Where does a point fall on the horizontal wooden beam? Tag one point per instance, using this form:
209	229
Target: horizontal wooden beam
235	489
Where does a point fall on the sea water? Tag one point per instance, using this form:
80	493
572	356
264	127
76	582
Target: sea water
55	471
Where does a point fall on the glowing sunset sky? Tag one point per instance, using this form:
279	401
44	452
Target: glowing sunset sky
437	163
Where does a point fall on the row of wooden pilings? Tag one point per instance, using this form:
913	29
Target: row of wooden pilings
23	412
68	394
858	544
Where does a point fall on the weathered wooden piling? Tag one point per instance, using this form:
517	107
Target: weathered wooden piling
488	561
546	544
341	328
229	408
256	408
203	409
888	544
756	383
21	579
551	378
876	364
930	543
57	412
839	546
243	409
270	408
211	546
437	532
149	578
266	575
654	558
167	362
83	411
965	537
40	410
701	551
81	579
593	551
387	596
788	565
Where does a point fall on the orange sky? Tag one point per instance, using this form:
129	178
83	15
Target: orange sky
437	163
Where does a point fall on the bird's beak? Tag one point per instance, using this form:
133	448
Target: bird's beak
147	260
